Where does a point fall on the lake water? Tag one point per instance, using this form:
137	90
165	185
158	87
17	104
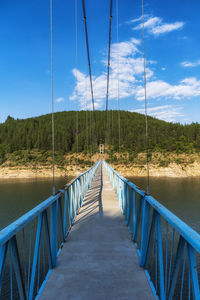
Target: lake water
180	195
17	196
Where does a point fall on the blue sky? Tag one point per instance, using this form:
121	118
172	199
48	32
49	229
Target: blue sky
172	49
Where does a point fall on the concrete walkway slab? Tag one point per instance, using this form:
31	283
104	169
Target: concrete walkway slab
99	260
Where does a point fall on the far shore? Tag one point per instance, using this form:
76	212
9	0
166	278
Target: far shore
173	170
126	170
41	172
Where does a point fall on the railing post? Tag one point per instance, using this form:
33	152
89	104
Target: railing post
127	206
48	242
145	231
138	219
17	267
53	232
61	218
85	183
133	211
118	191
122	197
71	205
88	181
160	259
177	264
81	191
75	198
150	239
193	272
65	221
36	254
84	186
3	252
77	194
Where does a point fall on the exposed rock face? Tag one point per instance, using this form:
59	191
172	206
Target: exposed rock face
40	172
172	170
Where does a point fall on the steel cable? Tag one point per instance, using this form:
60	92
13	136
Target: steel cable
90	76
118	93
88	52
145	98
108	72
109	46
52	97
76	64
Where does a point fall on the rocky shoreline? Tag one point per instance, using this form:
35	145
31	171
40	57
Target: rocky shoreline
28	173
172	170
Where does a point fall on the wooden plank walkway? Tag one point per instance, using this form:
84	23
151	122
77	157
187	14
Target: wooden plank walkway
99	260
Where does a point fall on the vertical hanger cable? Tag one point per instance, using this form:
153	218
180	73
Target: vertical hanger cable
145	98
52	99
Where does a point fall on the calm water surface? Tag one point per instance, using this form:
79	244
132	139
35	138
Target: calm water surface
179	195
17	196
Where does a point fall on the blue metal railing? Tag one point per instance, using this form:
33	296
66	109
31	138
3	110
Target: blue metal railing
168	248
29	250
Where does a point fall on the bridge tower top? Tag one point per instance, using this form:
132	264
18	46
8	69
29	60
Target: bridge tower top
101	148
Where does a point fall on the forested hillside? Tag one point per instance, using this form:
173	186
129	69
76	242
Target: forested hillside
35	133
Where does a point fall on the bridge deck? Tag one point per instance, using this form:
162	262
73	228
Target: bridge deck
99	260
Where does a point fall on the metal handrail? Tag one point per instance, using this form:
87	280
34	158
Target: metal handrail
58	212
13	228
189	234
149	225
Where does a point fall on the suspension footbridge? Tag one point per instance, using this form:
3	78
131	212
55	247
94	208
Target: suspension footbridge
76	245
99	236
103	253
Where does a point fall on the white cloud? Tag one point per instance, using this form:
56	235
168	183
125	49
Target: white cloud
129	58
150	23
60	99
155	25
167	113
167	28
187	88
188	64
135	20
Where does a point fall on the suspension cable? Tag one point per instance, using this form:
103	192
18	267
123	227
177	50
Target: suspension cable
112	109
145	97
108	76
118	94
52	98
109	45
76	64
86	120
93	116
88	52
86	112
